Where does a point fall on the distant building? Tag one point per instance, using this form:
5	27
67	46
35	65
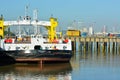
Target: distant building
90	31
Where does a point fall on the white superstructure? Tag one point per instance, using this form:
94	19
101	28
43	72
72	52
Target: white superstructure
35	41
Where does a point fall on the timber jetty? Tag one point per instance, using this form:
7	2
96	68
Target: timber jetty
96	42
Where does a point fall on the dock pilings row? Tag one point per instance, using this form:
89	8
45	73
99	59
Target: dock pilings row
96	44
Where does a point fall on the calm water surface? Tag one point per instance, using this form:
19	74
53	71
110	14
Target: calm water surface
83	66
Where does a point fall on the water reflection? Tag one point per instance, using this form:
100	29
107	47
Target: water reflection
95	66
84	65
36	72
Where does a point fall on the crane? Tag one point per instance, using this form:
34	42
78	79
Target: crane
49	25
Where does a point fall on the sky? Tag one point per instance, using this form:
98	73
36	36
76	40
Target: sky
83	13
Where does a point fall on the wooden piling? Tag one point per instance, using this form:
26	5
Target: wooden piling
89	47
103	47
79	45
108	47
113	48
119	48
97	46
116	47
85	46
73	46
94	47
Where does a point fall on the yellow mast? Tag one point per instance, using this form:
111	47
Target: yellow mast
52	28
1	27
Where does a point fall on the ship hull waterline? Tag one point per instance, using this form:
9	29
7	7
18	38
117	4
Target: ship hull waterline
40	55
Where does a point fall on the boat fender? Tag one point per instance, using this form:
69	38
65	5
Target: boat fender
64	47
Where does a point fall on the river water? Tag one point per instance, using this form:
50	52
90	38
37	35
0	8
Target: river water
83	66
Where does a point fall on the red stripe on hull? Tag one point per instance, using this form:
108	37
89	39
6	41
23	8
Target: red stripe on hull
41	60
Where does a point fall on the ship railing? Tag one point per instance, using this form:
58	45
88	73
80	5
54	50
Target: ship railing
15	40
59	42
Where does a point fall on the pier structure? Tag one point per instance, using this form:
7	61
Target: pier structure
96	44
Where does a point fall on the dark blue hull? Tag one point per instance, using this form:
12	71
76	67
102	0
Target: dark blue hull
5	59
38	55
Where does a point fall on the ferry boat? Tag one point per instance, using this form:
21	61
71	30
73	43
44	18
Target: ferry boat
36	50
35	47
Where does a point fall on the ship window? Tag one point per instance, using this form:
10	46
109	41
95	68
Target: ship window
33	36
39	36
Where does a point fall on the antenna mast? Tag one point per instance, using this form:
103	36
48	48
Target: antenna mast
35	17
26	10
35	14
